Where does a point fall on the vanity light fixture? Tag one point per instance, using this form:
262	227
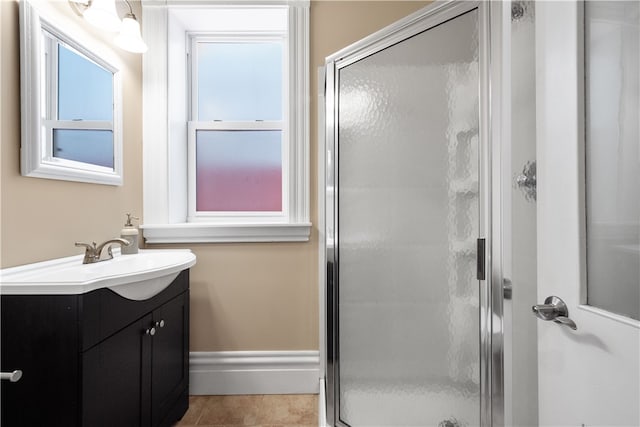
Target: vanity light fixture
130	38
102	14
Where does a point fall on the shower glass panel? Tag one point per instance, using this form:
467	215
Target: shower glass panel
408	220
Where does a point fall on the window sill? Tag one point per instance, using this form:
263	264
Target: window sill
225	233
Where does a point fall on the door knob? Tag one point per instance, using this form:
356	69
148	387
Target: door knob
554	309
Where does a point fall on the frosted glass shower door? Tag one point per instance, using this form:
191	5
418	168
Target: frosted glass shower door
407	220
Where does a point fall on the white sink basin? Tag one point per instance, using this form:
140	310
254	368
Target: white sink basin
136	277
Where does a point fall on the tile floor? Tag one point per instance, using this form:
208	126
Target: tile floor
288	410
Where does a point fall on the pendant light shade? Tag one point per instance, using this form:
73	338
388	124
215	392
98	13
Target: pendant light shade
130	38
102	14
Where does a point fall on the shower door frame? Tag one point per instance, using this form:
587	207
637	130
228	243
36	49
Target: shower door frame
491	128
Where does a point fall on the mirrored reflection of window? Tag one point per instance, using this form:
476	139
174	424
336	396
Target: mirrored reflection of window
86	146
612	46
79	119
85	90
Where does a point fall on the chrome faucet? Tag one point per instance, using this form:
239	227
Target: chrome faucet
93	253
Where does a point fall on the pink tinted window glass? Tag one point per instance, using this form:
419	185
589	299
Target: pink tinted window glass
239	171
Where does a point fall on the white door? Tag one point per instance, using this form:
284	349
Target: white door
589	376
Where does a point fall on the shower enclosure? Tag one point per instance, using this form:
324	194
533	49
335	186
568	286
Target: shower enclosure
482	167
408	205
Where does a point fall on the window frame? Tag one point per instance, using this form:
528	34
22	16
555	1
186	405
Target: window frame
195	125
165	147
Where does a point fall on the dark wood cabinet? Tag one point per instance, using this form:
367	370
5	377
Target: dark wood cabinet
96	359
113	378
170	362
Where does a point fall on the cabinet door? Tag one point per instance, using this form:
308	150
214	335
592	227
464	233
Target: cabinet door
170	361
115	373
40	337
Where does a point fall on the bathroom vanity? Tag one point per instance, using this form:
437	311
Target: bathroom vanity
96	358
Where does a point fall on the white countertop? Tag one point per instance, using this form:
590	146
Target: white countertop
137	276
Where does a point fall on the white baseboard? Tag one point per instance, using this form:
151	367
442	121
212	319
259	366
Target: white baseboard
254	372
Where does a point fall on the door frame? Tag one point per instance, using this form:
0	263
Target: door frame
493	96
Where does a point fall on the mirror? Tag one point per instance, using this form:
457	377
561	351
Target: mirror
71	105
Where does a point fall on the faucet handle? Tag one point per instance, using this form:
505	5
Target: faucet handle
88	247
93	252
89	252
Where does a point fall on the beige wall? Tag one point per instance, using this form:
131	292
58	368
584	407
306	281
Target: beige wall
42	218
243	296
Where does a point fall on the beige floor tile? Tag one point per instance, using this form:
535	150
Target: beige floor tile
196	405
252	410
290	425
289	410
231	410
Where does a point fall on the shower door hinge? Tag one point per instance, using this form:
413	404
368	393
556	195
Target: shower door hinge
480	260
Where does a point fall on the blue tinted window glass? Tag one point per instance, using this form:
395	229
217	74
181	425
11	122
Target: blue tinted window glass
87	146
239	81
85	90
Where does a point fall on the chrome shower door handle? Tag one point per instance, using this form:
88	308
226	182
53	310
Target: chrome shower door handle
526	181
554	309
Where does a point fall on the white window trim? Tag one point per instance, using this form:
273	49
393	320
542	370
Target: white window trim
165	118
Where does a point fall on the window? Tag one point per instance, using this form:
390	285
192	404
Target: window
232	165
237	136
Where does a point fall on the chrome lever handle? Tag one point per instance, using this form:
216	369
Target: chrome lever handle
14	376
545	311
554	309
566	321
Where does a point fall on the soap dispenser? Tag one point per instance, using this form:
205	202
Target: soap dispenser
130	233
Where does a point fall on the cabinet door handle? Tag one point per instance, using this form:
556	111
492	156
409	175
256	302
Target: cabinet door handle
151	331
160	323
14	376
